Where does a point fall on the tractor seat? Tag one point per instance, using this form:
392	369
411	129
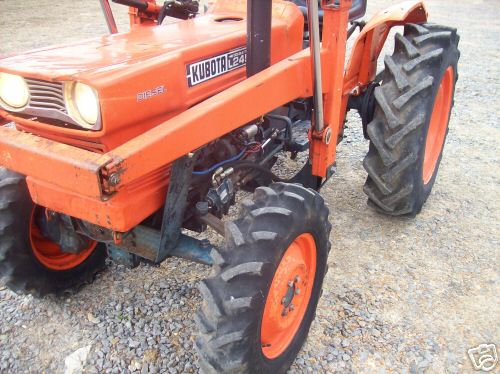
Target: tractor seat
358	9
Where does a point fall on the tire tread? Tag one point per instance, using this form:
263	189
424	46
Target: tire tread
400	116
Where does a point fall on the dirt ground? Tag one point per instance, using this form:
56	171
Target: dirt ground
402	295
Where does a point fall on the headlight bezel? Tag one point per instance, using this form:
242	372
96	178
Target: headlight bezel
5	103
74	110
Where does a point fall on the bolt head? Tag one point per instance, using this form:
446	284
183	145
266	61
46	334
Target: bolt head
297	279
114	179
297	291
283	300
292	307
290	284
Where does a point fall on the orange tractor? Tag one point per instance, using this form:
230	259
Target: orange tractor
120	146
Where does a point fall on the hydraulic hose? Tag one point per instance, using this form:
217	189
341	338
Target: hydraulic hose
222	163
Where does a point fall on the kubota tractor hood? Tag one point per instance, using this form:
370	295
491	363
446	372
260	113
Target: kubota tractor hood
109	54
144	76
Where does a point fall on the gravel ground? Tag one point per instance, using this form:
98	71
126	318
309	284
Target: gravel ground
405	296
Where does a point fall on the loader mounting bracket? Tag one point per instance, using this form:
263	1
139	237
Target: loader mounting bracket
307	179
175	205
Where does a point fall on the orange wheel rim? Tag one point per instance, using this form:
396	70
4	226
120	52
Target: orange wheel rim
49	254
438	125
289	296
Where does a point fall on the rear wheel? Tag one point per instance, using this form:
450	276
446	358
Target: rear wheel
410	123
261	300
29	261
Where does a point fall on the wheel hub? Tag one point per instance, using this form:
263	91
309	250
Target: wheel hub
289	296
56	246
59	229
292	290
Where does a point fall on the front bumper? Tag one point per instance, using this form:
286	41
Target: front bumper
71	180
62	165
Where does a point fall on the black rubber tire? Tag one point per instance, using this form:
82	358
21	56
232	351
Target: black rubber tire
235	295
19	268
403	108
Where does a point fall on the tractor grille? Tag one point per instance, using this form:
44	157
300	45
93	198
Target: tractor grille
46	95
46	106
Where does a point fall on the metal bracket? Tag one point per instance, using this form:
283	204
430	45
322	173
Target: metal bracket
144	242
207	218
306	178
175	205
330	171
122	257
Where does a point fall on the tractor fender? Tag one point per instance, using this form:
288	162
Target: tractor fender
362	66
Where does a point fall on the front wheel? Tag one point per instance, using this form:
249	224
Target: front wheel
30	263
261	300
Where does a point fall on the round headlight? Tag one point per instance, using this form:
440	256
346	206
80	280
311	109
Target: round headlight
83	104
14	92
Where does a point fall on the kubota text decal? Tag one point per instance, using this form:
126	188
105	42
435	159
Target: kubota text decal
204	70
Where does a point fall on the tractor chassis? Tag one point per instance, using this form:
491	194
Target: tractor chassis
145	243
